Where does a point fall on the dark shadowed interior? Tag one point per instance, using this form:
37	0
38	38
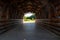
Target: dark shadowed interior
45	27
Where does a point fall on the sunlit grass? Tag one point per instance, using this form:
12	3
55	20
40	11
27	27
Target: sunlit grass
28	21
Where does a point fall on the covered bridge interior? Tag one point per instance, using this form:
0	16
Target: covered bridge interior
47	16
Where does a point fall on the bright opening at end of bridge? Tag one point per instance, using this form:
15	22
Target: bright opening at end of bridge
29	17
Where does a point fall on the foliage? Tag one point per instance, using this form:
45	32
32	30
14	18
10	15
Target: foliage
32	17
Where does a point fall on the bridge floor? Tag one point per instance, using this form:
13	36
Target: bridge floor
28	31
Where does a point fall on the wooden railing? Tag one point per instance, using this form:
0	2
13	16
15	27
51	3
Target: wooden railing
52	24
5	25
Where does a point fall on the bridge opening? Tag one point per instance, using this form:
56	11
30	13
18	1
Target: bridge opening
29	17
